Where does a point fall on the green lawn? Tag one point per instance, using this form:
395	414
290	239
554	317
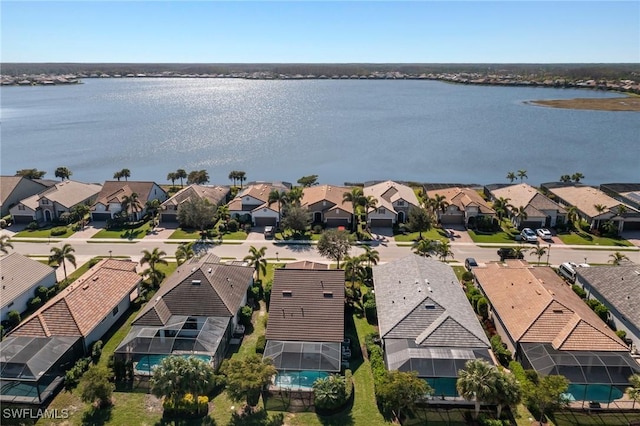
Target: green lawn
432	234
43	233
185	234
238	235
130	234
496	237
584	238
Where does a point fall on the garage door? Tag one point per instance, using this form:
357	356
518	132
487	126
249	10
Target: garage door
23	219
265	221
452	220
169	218
334	223
631	226
381	223
100	217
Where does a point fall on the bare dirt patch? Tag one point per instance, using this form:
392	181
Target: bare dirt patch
606	104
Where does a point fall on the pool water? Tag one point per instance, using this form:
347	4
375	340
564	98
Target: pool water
148	362
597	393
299	379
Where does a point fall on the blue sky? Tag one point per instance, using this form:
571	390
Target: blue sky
321	32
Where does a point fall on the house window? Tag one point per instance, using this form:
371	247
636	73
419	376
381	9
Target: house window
337	211
45	201
20	207
115	311
400	203
382	210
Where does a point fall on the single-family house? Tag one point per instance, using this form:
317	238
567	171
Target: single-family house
595	206
618	288
306	264
627	193
253	202
326	206
305	329
463	206
194	313
54	201
426	322
393	203
36	354
551	330
216	195
16	188
540	210
21	276
113	193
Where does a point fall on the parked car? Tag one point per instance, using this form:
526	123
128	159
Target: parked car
268	231
470	263
509	253
544	233
568	270
528	235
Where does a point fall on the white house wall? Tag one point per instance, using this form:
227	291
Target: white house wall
20	302
100	330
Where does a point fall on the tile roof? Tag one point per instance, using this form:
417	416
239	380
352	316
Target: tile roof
20	274
307	305
525	195
79	308
259	191
202	287
463	197
113	191
9	183
214	194
330	193
69	192
421	299
306	264
389	192
535	305
619	286
585	198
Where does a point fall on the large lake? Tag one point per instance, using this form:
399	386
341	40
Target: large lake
341	130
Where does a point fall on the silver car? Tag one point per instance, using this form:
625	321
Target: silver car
528	235
544	233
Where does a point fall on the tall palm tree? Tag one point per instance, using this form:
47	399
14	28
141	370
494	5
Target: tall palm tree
443	248
172	177
577	176
508	392
222	212
279	197
233	176
572	216
5	244
368	202
371	256
184	252
257	260
477	383
424	247
511	176
117	175
519	213
522	174
242	176
565	178
153	259
295	195
126	174
617	258
60	255
354	197
131	205
440	203
539	251
600	208
501	206
181	174
633	391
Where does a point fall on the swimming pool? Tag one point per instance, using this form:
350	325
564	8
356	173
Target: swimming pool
303	380
598	393
147	363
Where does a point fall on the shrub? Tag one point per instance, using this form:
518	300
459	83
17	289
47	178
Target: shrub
187	407
621	334
93	262
255	292
482	307
33	226
317	229
73	375
58	230
370	311
266	292
503	354
467	276
579	291
246	227
96	351
14	318
348	383
3	223
34	302
245	315
602	311
261	342
42	292
233	225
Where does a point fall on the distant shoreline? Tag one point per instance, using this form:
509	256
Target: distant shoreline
627	103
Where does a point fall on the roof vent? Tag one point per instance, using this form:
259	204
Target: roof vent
95	278
209	270
557	311
429	306
196	282
86	286
287	293
327	294
430	289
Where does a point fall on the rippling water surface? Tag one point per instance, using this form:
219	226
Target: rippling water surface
341	130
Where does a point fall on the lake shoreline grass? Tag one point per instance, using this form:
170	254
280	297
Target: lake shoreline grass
628	103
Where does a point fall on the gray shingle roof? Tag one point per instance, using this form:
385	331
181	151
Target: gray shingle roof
19	274
414	293
618	285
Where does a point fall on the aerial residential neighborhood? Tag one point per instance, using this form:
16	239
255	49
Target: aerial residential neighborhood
355	287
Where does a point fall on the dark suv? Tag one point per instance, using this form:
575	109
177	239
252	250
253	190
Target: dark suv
509	253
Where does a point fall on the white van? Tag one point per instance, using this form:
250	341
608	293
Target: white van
568	270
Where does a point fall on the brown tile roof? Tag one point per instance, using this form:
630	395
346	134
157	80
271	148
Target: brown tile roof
535	305
259	191
389	192
584	198
79	308
113	191
306	264
69	193
332	194
214	194
307	305
463	197
200	288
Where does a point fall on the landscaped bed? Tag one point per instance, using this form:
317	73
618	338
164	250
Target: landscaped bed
583	238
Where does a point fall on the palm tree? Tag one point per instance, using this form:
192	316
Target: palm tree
177	376
295	195
368	202
125	173
371	256
617	258
329	392
424	247
508	392
152	206
5	244
242	176
117	175
622	209
257	260
280	197
80	211
184	252
519	251
181	174
577	176
633	391
519	213
222	212
233	176
502	207
172	176
440	203
60	255
63	173
539	251
477	383
355	197
511	176
153	259
600	208
522	174
565	178
131	205
443	248
572	215
354	272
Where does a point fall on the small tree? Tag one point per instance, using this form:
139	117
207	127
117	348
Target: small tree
617	258
31	173
296	218
334	244
177	376
400	391
96	386
246	377
633	391
14	318
199	177
308	181
508	392
329	392
477	383
548	394
419	220
197	213
63	173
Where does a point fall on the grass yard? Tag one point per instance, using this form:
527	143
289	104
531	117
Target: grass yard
583	238
185	234
130	234
238	235
496	237
570	418
432	234
44	233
